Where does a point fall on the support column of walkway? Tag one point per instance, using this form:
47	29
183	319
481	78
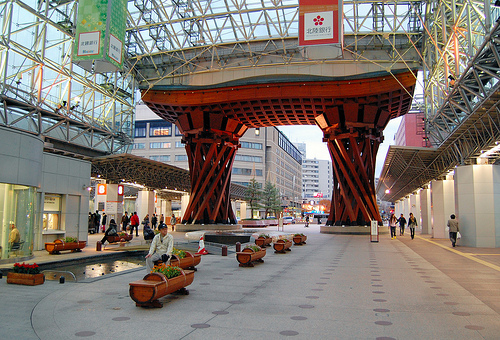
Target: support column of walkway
211	143
443	205
477	193
353	133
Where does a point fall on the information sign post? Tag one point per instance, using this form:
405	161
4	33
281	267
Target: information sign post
374	231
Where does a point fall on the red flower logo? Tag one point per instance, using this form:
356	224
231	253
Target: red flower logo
318	20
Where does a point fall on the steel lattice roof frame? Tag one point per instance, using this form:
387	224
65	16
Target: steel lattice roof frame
467	122
43	93
162	53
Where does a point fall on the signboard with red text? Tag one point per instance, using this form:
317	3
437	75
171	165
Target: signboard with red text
320	22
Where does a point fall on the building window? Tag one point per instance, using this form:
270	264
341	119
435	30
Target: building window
179	144
51	212
249	145
160	145
181	158
246	184
160	129
139	146
247	172
244	158
160	158
177	132
140	130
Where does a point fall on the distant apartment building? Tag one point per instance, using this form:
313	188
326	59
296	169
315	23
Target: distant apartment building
317	180
265	153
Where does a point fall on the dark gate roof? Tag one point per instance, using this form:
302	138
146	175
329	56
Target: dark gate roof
153	175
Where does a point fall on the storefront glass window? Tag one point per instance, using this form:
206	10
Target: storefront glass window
17	218
51	212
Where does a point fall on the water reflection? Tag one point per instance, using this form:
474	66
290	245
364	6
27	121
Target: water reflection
95	269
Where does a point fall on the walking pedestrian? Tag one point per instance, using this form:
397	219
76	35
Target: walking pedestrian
173	222
453	226
412	224
134	223
97	221
307	222
154	221
104	220
392	224
125	221
402	224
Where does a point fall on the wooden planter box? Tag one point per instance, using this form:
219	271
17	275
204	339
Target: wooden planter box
263	241
59	245
248	256
299	240
188	262
253	223
26	279
118	238
281	246
153	286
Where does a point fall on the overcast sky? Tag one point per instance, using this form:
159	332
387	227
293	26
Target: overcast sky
315	148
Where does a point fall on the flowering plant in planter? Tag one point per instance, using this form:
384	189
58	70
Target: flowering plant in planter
70	239
122	234
168	271
264	235
254	248
179	253
26	268
299	235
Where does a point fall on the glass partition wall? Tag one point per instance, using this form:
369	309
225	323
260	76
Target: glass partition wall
17	211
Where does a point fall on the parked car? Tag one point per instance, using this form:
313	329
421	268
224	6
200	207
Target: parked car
288	220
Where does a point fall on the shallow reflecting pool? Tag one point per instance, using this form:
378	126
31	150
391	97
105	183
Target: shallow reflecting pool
94	268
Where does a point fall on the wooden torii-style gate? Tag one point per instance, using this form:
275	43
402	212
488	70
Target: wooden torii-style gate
352	113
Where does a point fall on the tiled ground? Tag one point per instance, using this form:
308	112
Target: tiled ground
334	287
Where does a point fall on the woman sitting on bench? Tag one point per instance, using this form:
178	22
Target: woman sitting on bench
111	231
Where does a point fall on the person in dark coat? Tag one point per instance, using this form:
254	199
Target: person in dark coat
104	220
97	220
402	224
125	221
154	221
111	231
91	223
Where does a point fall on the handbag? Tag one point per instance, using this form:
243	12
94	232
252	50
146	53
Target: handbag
459	235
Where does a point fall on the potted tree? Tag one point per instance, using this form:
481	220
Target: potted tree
250	254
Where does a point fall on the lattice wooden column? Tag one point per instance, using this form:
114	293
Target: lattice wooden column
211	143
353	133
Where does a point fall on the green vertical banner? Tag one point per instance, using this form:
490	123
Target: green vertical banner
100	35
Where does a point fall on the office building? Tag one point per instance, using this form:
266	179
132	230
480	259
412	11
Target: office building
265	153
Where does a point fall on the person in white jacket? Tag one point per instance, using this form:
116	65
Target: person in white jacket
161	247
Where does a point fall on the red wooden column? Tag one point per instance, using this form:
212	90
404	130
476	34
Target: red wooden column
353	133
211	143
